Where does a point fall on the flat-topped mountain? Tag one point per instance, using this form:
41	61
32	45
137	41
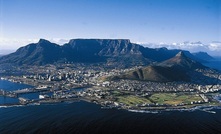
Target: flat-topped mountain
78	50
113	52
174	69
98	50
103	46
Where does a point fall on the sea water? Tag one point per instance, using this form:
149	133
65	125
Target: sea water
83	117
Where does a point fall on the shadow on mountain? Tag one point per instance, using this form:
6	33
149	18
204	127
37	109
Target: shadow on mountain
178	68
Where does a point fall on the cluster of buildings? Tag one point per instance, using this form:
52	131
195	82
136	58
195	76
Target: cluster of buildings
131	85
70	76
64	77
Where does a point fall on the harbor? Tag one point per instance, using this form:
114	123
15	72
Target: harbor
44	96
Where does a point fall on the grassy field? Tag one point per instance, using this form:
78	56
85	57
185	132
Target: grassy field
132	100
158	98
174	99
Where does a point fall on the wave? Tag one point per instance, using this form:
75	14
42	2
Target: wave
12	106
208	109
144	111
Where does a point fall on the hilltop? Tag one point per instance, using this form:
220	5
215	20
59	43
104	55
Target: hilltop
173	69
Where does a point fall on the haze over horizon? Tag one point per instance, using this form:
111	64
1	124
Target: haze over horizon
154	23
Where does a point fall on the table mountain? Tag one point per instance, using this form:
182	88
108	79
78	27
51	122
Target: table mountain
113	52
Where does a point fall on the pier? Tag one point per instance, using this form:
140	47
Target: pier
16	93
59	96
27	90
8	93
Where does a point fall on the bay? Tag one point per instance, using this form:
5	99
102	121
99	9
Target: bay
83	117
10	86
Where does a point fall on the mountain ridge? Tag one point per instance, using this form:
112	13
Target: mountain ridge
181	60
111	51
173	69
35	53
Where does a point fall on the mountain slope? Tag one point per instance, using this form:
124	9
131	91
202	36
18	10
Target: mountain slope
203	55
156	74
182	61
174	69
120	52
162	54
91	50
36	53
113	52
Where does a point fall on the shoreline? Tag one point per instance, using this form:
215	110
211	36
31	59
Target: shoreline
204	108
99	102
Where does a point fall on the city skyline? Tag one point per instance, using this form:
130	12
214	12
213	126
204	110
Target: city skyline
142	21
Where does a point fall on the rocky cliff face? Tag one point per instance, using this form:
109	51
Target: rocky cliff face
111	51
79	50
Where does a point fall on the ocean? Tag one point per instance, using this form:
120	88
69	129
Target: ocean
83	117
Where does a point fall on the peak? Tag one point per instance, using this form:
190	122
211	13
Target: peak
43	41
180	54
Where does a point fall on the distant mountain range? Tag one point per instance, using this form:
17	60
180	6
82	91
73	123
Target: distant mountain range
115	52
173	69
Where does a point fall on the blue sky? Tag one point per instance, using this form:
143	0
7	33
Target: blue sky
23	21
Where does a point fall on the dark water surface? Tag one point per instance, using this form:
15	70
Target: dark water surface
10	86
83	117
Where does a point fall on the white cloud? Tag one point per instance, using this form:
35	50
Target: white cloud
213	48
16	43
59	41
11	45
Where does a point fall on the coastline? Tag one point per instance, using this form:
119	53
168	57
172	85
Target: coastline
100	102
152	110
205	108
